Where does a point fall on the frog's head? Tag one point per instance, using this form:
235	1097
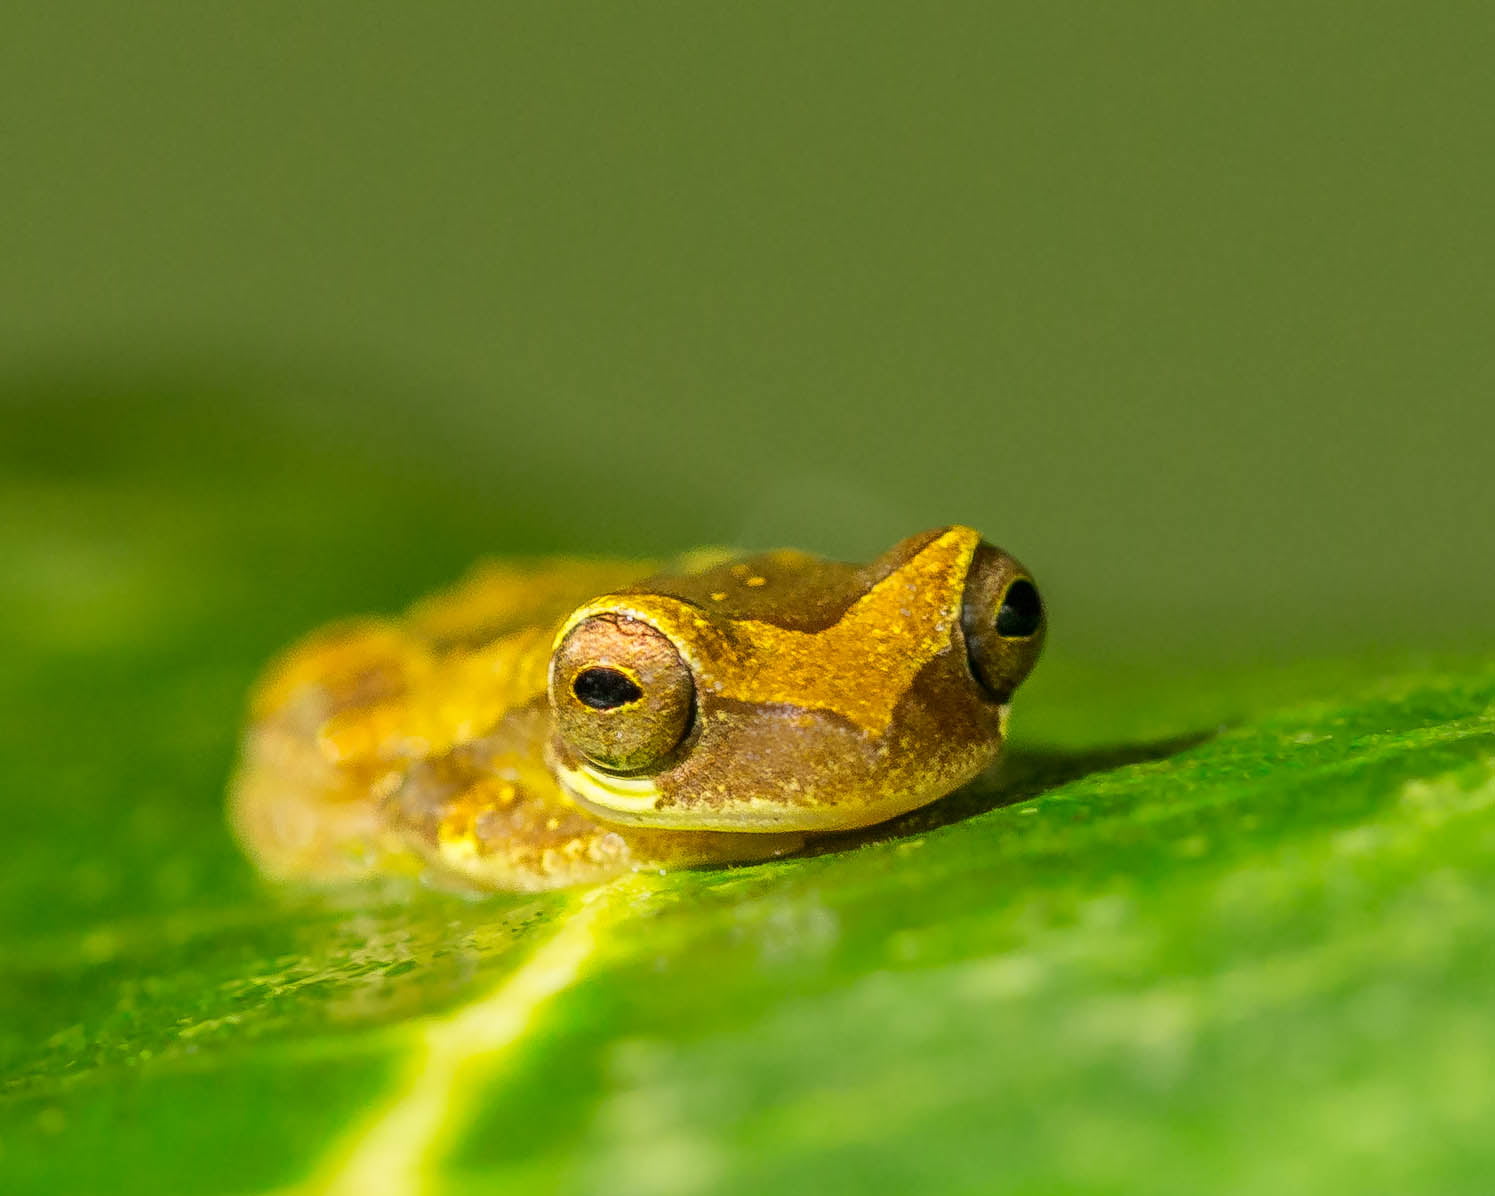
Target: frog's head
787	693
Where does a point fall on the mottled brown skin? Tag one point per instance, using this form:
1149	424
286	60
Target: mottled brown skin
517	733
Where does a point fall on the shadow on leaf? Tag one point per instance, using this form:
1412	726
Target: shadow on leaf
1022	774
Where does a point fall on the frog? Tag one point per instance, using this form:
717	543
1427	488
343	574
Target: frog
560	722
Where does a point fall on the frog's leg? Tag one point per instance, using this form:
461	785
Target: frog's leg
304	801
489	816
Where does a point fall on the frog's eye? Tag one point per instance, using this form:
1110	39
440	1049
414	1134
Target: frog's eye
605	689
1021	613
621	694
1003	621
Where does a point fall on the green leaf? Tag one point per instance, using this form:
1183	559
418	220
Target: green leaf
1198	933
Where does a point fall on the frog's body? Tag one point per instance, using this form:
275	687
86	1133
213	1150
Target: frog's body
518	732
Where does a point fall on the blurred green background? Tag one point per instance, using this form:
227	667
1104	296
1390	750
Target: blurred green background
1190	306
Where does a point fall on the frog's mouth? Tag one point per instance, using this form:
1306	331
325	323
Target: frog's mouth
639	801
626	798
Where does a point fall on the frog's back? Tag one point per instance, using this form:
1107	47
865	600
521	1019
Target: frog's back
339	721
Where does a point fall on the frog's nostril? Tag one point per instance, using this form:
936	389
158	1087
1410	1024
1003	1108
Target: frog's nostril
1021	611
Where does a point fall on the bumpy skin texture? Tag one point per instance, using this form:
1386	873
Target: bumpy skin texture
519	732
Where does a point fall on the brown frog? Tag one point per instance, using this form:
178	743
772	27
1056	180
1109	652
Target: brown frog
518	732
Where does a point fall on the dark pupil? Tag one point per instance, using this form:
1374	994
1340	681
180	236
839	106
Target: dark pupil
1021	611
604	689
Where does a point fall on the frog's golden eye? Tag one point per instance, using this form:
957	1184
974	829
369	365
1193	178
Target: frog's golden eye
621	694
1003	621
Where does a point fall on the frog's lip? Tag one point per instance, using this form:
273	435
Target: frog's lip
638	801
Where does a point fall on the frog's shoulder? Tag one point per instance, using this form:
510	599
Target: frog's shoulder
499	597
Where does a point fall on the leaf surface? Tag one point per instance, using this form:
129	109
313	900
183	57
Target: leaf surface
1226	933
